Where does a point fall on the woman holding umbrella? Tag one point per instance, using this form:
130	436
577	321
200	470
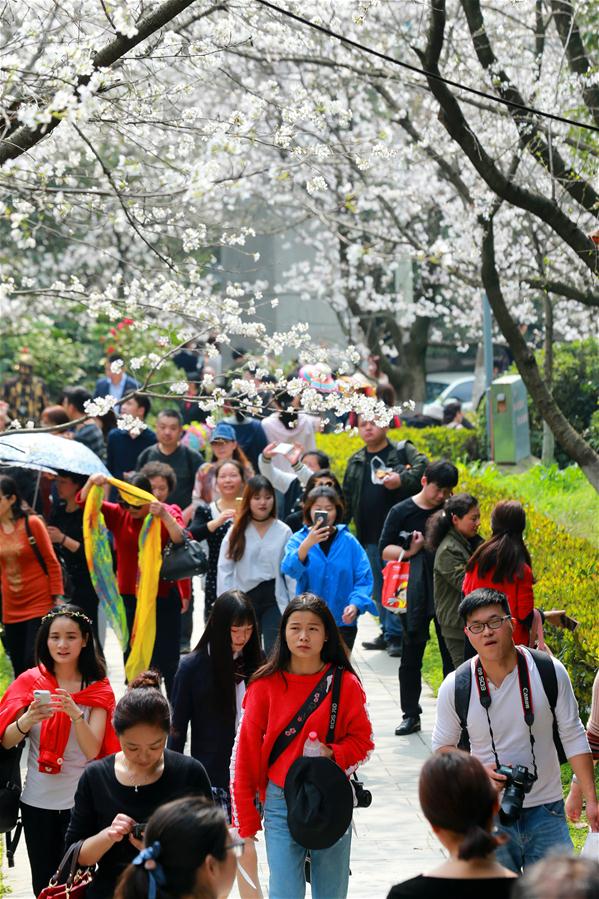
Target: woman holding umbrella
31	575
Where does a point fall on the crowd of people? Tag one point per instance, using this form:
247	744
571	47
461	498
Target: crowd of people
294	556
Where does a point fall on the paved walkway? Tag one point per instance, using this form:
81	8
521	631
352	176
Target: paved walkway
393	840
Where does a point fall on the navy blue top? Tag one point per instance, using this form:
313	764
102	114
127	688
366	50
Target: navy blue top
124	450
212	730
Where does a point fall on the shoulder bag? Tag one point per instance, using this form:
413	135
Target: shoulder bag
70	881
183	560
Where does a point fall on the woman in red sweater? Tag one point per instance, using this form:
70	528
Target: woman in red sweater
503	563
31	575
309	645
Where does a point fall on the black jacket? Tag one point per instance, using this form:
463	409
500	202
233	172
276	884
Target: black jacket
212	731
404	458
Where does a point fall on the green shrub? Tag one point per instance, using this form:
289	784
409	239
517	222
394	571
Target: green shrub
566	567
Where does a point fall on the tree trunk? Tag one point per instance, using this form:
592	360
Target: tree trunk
548	450
576	447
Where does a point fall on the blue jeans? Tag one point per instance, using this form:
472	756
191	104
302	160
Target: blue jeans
286	858
539	830
390	623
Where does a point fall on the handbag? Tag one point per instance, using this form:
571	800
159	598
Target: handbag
183	560
77	880
394	595
10	794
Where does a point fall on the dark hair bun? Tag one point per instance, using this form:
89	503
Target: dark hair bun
478	843
145	679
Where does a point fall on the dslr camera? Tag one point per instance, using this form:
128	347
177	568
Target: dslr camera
404	539
362	796
519	783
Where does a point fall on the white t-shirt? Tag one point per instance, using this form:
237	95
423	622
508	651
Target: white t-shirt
260	562
305	428
510	730
54	791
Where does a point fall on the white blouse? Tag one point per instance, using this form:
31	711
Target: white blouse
260	562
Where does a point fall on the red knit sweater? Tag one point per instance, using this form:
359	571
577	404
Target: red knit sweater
519	594
269	705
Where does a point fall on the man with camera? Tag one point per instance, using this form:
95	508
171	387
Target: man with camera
518	712
402	537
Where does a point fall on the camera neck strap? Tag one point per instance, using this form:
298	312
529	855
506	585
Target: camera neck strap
484	695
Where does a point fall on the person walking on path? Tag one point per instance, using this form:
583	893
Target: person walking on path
223	446
503	563
66	533
208	695
123	790
452	536
510	721
309	647
123	448
125	522
87	431
325	559
211	522
251	554
460	802
68	729
31	576
183	460
377	477
189	853
403	537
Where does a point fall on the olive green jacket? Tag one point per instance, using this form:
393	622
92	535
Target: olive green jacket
449	568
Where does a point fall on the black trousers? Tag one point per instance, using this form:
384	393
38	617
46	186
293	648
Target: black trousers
19	641
349	635
45	830
410	668
165	657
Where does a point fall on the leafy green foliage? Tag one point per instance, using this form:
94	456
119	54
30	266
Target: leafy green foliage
576	390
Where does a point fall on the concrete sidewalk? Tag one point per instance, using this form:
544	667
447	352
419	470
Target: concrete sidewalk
393	840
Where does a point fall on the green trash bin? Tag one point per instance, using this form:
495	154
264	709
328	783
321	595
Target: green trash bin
509	410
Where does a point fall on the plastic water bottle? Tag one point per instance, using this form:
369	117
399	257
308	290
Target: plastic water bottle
312	744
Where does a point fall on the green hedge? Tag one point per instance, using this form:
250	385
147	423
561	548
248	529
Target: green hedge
459	445
566	567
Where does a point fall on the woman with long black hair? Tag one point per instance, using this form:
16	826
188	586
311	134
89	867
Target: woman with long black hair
68	723
308	648
251	554
210	685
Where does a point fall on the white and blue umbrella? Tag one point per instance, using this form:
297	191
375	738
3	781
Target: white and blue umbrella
43	451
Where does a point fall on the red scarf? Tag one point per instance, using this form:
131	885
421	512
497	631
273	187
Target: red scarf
55	730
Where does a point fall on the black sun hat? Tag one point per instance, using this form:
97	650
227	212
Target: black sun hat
320	802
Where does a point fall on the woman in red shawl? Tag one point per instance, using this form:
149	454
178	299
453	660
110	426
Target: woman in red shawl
65	732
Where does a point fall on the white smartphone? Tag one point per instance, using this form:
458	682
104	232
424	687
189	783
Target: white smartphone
283	448
42	696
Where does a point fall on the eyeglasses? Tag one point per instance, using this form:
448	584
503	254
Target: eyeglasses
237	845
493	623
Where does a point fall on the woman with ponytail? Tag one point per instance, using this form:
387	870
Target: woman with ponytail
124	790
459	801
452	535
503	563
188	854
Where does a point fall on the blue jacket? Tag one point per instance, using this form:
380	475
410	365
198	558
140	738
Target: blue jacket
341	578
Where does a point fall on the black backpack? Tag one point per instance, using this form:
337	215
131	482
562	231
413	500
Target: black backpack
463	688
10	794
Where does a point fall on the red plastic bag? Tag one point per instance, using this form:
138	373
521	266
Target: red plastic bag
395	586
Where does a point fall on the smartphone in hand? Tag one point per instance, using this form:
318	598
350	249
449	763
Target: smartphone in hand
43	696
321	519
569	623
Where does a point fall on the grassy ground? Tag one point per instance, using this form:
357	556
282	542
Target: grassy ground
433	675
564	495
